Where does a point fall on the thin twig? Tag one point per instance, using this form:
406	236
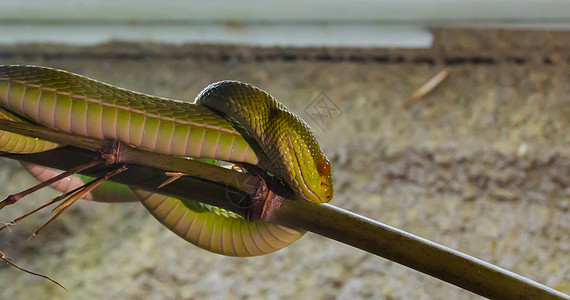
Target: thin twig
6	224
5	259
86	188
173	176
54	200
426	88
11	199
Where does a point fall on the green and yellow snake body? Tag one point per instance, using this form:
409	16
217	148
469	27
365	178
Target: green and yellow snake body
229	121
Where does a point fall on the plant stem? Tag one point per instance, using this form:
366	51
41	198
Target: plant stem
449	265
224	188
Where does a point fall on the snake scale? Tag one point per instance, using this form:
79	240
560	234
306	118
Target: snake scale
229	121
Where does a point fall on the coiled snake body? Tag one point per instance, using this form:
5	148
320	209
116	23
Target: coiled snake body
230	121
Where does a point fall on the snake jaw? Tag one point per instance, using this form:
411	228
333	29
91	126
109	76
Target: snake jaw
327	190
320	191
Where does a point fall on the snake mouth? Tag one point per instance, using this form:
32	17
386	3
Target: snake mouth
325	187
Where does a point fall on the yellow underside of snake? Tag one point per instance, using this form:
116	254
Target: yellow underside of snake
229	121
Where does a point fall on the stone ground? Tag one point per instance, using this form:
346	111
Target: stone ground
481	164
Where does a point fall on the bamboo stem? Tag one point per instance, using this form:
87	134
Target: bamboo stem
127	154
224	187
149	178
422	255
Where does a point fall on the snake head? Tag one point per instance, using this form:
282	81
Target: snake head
309	171
284	144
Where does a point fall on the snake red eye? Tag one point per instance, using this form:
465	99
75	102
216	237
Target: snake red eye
323	167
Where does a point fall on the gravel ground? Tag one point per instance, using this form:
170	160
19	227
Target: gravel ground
481	164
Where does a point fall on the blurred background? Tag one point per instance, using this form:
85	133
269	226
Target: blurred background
448	119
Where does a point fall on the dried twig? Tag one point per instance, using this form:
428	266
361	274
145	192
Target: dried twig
11	199
5	259
427	87
54	200
86	188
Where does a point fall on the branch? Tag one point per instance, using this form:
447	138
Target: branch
205	182
422	255
271	201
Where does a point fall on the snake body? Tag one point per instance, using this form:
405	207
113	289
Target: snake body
230	121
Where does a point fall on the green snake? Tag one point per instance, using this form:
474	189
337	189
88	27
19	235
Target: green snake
229	121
